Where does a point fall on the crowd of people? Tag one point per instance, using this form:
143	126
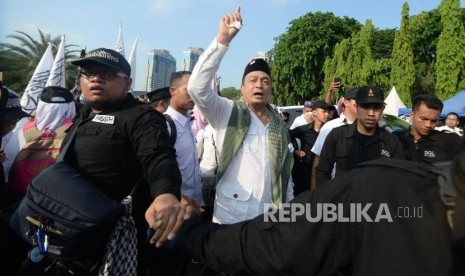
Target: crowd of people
205	183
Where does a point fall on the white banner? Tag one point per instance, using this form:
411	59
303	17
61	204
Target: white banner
37	83
119	42
57	74
133	63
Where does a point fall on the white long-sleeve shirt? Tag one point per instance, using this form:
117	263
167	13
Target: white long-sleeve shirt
325	130
448	129
245	186
299	121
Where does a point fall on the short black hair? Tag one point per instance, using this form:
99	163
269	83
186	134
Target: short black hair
452	113
177	76
332	108
432	102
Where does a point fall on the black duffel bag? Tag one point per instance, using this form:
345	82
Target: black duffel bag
65	215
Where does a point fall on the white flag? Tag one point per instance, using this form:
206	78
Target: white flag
119	42
132	62
37	83
57	74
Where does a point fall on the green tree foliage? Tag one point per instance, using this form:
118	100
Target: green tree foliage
381	48
299	54
359	63
351	56
231	93
334	67
19	60
381	70
424	33
381	43
450	66
402	67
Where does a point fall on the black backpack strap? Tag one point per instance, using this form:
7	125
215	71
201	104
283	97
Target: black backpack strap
173	134
70	138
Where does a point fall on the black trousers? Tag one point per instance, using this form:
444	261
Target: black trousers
301	176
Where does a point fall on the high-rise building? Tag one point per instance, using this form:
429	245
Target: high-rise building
160	65
190	57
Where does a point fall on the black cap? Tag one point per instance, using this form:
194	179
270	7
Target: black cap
351	94
257	64
370	94
159	94
56	94
320	104
13	108
106	57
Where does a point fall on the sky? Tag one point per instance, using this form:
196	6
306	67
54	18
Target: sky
175	25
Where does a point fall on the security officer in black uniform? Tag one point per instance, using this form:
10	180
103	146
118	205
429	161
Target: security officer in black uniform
120	144
303	156
422	143
349	145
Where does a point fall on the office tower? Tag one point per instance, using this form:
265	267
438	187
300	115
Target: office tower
160	65
190	57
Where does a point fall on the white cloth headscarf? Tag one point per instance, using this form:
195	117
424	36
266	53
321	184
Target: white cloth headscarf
52	115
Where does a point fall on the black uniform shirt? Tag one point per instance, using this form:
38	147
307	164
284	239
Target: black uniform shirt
307	136
435	147
346	147
124	146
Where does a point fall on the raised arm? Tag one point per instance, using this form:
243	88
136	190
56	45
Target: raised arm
213	107
228	28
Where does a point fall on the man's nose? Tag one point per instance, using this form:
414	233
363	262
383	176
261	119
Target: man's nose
371	111
429	124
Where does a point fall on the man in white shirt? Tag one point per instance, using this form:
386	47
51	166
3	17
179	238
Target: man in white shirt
306	117
186	155
253	143
348	116
452	124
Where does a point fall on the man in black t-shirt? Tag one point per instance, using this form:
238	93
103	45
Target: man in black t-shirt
303	155
119	145
422	143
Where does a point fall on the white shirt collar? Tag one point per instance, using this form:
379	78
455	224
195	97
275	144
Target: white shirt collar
179	117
